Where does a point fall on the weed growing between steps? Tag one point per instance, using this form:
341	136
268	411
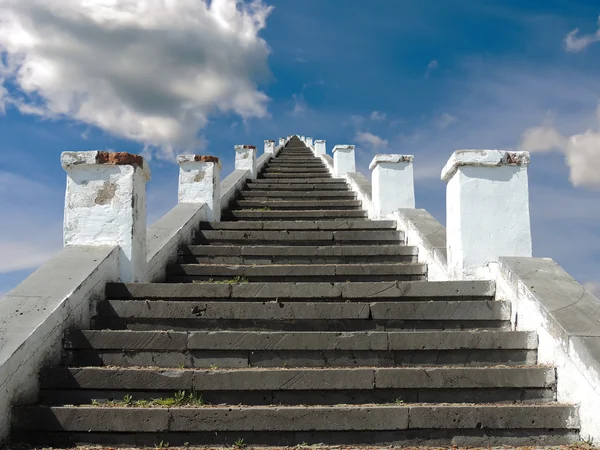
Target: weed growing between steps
179	398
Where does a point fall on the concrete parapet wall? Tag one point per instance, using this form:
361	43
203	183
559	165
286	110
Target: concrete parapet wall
34	316
361	186
429	236
547	299
168	233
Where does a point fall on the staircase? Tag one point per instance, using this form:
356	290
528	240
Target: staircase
296	320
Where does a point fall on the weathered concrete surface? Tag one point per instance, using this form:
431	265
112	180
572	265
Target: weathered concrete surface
374	236
429	236
163	238
388	289
305	379
295	418
567	318
302	225
300	250
309	340
298	215
34	315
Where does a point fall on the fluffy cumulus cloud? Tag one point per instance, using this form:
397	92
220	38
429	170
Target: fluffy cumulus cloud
147	70
577	43
378	116
370	140
582	151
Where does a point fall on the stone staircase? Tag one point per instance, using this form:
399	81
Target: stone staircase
296	320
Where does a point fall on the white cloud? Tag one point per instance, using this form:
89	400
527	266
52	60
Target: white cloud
582	152
147	70
575	43
378	116
593	287
433	65
445	120
370	140
300	105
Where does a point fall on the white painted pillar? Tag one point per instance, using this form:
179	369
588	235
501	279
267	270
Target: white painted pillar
309	141
245	158
200	182
105	204
269	146
393	184
343	160
281	141
303	139
487	210
320	147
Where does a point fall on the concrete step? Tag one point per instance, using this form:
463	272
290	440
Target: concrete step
297	170
237	349
184	273
294	175
401	425
298	204
304	237
299	180
333	225
270	254
331	214
357	291
296	161
304	187
300	195
314	386
300	316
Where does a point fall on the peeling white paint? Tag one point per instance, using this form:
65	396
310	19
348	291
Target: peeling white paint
200	182
343	160
393	184
105	204
487	211
245	159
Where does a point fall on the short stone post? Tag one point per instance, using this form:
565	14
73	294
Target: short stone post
245	158
303	139
105	204
309	141
281	141
200	182
343	160
487	210
393	184
269	147
320	147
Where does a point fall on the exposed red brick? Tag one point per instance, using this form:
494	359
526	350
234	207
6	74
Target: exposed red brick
119	158
206	158
249	146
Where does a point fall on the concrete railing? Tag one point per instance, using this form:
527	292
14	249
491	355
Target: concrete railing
104	225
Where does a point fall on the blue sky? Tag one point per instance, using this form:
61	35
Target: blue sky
423	78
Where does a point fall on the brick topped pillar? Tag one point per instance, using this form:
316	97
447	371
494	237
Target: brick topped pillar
200	182
393	184
487	210
269	146
343	160
105	204
320	147
245	158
